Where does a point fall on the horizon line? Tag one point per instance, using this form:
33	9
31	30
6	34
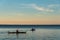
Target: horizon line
29	24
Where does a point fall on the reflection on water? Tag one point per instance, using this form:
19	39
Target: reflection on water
39	34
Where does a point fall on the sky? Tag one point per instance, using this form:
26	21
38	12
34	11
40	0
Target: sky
29	11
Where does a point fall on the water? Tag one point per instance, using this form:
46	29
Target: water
41	33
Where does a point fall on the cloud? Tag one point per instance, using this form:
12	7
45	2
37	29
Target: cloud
54	5
26	5
36	7
42	8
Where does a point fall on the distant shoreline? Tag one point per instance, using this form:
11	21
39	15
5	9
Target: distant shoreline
31	24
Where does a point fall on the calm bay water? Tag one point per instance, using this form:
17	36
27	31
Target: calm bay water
41	33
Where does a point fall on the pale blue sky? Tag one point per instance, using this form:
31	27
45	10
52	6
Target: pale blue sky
26	11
